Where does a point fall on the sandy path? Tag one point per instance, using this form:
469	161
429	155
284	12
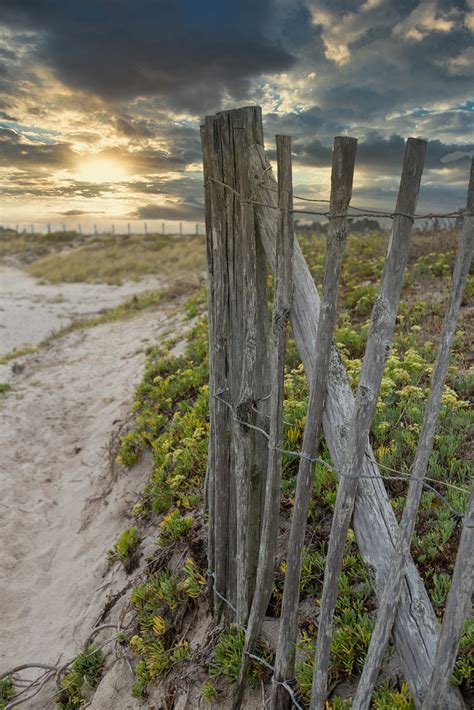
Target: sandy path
30	310
62	505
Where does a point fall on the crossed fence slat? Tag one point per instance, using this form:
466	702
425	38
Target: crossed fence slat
458	606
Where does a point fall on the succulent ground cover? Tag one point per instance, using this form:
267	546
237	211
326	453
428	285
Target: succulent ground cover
171	419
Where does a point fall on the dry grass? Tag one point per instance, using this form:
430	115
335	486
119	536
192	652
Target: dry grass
23	248
115	259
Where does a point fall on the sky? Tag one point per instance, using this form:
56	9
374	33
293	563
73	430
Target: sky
101	100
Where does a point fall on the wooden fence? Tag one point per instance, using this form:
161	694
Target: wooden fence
249	225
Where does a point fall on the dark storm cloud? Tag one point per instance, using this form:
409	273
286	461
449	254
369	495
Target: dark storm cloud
15	152
378	152
386	70
183	143
301	125
441	198
133	128
171	211
191	59
36	185
191	52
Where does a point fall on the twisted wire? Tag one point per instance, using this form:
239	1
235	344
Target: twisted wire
362	211
406	478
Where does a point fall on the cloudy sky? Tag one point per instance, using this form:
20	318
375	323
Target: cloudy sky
101	100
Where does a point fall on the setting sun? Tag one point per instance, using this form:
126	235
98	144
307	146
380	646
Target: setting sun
100	170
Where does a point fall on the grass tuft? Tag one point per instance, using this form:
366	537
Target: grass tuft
126	549
81	680
7	691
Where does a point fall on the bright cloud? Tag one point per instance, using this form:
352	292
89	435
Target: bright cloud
114	131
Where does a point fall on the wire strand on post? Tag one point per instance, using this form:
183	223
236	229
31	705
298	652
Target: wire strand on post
362	211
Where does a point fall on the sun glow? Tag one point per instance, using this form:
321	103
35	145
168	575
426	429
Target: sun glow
100	170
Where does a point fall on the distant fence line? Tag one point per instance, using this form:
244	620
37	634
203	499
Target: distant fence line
249	222
131	228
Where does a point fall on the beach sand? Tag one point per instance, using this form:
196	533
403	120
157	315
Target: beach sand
31	310
64	500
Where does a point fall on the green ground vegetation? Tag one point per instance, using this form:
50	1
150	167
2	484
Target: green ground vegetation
7	691
17	352
161	602
126	548
209	692
226	657
171	420
79	683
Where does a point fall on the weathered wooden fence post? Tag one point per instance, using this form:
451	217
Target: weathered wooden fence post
244	375
391	595
218	473
238	369
281	313
341	190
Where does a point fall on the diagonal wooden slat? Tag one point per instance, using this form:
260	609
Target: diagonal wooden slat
458	607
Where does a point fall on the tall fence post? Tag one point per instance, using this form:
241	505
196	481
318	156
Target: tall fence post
218	471
341	190
389	602
281	312
378	347
243	369
238	273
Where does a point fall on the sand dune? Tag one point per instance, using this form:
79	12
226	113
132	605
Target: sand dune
63	502
30	310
